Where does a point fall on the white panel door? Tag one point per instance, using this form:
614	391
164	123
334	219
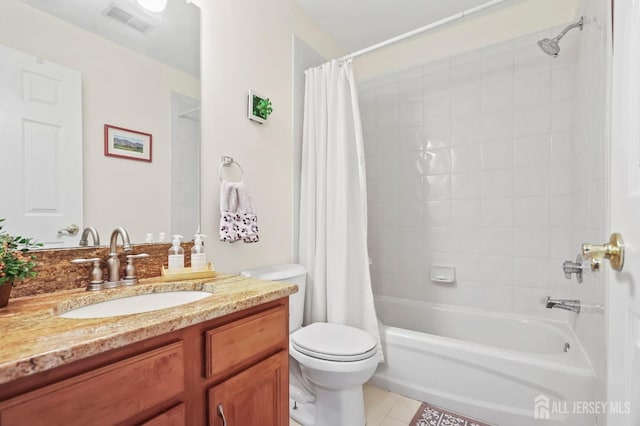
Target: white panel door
623	306
40	148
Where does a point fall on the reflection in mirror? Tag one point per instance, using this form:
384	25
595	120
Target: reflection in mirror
126	67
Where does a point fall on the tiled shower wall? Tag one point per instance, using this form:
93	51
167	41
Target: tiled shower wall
469	164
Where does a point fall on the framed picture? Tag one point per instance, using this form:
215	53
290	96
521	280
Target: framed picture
126	143
258	107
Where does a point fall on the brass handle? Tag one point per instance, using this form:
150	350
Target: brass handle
221	414
612	250
69	230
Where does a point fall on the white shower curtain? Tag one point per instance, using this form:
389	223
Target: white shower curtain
333	203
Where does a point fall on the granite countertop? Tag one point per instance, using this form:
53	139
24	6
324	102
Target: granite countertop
35	339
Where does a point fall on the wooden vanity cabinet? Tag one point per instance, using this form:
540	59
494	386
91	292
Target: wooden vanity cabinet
238	362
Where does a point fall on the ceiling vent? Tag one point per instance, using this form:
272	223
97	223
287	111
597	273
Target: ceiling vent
131	17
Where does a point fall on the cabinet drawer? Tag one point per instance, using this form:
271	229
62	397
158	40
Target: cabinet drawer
172	417
245	341
107	395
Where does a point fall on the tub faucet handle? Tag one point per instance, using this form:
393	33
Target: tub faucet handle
570	268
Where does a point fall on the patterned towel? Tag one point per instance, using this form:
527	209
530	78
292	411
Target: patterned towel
238	220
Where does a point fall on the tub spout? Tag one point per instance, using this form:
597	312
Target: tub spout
566	304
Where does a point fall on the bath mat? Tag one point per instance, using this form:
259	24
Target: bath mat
429	415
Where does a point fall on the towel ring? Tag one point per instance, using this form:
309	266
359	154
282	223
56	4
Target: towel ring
228	162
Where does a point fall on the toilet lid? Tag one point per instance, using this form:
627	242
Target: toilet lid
334	342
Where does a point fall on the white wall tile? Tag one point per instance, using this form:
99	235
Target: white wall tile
438	187
497	242
465	102
497	68
531	212
562	116
497	125
465	158
532	242
561	148
436	80
410	114
497	96
497	183
437	108
466	185
410	89
532	151
466	73
531	181
562	84
437	213
438	161
497	154
465	213
465	132
437	135
532	90
530	272
497	212
532	120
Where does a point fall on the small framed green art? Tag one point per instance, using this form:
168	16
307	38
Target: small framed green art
258	107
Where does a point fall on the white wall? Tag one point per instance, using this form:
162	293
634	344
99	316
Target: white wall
469	164
247	44
492	26
591	175
122	88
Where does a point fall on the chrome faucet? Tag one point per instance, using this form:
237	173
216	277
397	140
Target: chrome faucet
113	263
566	304
84	239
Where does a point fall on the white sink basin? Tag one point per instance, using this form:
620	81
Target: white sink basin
136	304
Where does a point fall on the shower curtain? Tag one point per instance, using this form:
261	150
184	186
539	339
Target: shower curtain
333	203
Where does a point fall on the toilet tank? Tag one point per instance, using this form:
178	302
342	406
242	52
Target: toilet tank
289	273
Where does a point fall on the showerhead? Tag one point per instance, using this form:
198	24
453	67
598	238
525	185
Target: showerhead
551	46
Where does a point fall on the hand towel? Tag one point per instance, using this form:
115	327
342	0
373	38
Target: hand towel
238	219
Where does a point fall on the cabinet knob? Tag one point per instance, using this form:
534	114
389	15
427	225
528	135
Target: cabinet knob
221	414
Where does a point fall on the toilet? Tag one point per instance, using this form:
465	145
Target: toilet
328	363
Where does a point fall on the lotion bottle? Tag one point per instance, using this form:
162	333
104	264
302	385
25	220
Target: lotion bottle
176	254
198	256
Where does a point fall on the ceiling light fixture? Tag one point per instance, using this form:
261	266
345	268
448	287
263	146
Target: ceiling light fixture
153	5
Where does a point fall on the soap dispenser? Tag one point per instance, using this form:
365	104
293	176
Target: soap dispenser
176	254
198	256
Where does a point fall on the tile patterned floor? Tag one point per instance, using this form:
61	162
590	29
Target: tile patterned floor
385	408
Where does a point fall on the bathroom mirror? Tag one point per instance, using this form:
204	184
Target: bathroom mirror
138	70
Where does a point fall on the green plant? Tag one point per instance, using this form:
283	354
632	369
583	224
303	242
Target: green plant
15	263
262	108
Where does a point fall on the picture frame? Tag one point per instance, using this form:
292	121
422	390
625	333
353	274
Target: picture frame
126	143
253	100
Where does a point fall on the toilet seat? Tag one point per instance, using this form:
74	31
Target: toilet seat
334	342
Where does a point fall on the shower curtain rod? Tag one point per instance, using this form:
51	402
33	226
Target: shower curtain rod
441	22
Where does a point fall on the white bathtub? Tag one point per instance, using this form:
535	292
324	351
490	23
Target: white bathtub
484	365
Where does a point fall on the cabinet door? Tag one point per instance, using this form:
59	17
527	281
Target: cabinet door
108	395
259	396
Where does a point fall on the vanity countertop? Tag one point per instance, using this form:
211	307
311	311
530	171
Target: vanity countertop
35	339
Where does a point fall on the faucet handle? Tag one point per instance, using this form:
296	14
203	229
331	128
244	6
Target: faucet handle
570	268
95	279
130	270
